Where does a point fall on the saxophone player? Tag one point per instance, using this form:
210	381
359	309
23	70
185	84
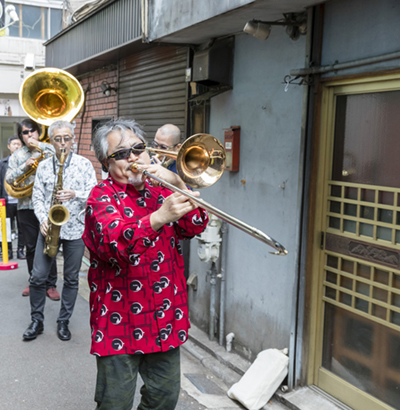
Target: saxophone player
78	179
18	165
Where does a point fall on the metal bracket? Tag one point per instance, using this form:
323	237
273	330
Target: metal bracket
288	80
192	281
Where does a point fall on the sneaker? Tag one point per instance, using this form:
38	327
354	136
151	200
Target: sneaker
25	292
20	254
53	294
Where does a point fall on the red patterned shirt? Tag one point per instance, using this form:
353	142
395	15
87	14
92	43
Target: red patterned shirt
138	297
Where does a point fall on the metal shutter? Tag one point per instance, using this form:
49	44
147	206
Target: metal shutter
152	88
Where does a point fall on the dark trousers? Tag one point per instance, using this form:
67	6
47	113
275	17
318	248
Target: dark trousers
117	375
73	253
11	212
31	229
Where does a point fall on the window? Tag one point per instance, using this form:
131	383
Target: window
36	22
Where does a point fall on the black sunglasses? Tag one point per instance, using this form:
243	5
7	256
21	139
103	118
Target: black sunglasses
26	132
125	153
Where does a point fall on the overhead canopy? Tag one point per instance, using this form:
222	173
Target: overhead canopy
114	30
198	22
110	32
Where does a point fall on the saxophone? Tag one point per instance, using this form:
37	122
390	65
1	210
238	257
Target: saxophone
58	214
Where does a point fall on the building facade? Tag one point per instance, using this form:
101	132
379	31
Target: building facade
21	51
317	111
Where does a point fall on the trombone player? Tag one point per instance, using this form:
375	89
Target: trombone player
139	313
66	179
20	162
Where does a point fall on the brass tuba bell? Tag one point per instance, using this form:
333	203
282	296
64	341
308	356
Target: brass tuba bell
51	94
47	95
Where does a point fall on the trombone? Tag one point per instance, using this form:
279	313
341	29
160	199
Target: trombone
200	163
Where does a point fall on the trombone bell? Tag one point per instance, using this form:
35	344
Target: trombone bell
201	161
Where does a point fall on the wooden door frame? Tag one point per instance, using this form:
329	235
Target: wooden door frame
324	126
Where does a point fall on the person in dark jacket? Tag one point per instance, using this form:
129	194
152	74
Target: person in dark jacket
13	144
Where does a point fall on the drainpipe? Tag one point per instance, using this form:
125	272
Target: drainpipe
213	284
209	250
224	229
145	19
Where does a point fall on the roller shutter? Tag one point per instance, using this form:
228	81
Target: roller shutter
152	88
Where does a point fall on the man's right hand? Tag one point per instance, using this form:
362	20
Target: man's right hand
44	227
29	162
174	207
32	143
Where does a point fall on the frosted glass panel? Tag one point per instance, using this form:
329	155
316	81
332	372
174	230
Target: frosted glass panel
366	139
361	352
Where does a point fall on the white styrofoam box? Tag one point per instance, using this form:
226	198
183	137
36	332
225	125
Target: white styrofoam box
261	380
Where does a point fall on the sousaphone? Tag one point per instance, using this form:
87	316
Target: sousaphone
47	95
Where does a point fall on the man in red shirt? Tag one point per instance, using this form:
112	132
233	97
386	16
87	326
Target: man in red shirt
138	302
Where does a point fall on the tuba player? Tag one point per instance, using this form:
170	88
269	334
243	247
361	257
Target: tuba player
19	163
78	179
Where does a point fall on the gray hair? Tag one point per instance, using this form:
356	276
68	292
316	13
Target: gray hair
60	124
100	143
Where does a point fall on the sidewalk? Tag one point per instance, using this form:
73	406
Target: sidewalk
48	374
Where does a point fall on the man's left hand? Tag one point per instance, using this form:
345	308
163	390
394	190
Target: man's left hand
65	195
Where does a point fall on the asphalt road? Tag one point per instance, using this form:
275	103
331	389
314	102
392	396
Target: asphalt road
48	374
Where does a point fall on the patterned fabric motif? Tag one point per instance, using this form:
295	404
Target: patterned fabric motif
138	297
80	176
17	167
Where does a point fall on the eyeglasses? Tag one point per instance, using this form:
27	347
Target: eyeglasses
155	144
26	132
125	153
66	138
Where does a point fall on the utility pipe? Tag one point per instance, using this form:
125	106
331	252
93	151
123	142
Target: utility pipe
302	72
145	19
229	341
213	283
224	229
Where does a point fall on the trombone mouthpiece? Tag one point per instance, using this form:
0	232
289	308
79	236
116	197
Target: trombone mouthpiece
135	168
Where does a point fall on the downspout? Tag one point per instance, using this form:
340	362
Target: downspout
213	284
145	19
298	349
224	229
298	305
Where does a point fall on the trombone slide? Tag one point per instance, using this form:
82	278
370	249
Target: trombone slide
256	233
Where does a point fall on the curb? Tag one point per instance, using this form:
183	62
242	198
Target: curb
229	367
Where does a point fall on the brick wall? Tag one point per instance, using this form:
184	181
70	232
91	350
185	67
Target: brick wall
97	106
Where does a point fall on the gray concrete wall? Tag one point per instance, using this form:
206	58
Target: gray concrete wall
360	29
260	286
164	19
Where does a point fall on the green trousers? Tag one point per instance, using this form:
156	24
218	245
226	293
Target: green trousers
117	375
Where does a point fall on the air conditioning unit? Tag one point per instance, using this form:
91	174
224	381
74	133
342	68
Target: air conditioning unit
214	66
